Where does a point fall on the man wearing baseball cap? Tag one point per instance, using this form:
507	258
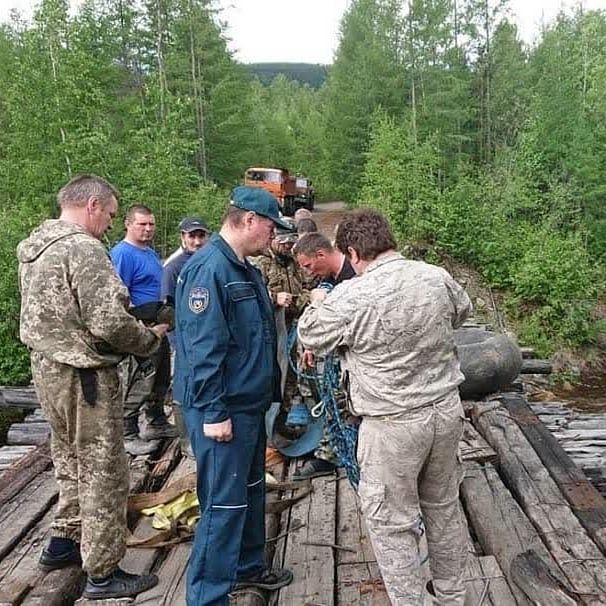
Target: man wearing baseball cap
194	235
226	377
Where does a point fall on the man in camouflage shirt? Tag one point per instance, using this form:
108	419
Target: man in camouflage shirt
74	320
392	327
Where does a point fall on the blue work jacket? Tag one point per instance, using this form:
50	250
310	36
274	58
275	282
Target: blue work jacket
225	335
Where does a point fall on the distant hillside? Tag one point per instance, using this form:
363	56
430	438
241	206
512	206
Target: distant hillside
305	73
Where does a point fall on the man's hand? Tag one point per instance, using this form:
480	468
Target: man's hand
221	432
160	329
317	295
308	359
283	299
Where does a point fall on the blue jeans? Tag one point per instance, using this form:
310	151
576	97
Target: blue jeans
230	536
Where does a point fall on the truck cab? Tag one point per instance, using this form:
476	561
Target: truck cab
276	181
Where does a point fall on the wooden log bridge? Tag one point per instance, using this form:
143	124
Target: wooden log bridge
536	525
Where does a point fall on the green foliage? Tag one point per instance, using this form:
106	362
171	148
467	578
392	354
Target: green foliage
303	73
399	178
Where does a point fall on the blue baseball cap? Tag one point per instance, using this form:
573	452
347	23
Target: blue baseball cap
259	201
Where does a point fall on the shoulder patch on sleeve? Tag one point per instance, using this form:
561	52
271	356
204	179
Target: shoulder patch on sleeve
198	299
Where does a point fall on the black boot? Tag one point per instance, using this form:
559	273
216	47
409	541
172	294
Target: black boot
119	584
60	553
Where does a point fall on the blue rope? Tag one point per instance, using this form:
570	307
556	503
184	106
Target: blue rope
342	436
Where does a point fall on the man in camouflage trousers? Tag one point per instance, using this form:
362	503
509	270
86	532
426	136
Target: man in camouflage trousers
74	320
392	327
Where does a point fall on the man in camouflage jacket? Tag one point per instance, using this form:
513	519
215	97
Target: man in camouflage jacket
289	293
74	320
392	327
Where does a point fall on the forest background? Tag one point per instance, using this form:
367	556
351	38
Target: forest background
434	112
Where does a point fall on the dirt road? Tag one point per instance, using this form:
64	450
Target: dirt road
327	215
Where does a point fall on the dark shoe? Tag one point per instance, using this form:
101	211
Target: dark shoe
314	468
136	447
120	584
54	560
270	579
158	430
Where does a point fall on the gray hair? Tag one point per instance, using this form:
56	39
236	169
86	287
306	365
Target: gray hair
77	192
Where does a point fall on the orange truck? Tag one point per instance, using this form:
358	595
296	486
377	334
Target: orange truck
280	183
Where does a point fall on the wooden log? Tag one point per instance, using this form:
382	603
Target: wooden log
473	447
499	524
19	571
57	588
585	501
19	397
523	472
484	580
9	455
536	580
28	433
536	367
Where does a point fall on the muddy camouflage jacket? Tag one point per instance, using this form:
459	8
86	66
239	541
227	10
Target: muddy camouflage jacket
393	329
284	275
73	304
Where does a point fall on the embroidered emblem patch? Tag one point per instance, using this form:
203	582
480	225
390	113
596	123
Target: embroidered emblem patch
198	299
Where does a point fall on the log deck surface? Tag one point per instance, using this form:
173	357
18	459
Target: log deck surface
535	527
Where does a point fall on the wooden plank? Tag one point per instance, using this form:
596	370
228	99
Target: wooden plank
22	561
585	501
496	588
18	475
351	527
313	566
498	522
360	584
473	447
528	479
25	509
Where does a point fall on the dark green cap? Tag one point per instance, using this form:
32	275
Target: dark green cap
258	201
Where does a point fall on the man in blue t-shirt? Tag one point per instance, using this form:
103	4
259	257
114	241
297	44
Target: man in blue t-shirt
140	268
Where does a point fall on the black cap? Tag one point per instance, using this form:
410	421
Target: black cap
190	224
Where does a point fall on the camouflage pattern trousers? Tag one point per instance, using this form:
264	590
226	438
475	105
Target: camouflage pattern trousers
409	481
87	448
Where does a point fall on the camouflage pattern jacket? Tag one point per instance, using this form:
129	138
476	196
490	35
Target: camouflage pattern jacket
393	328
283	274
73	304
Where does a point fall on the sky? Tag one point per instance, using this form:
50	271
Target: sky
308	30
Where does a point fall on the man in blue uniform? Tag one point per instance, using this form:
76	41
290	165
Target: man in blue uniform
226	376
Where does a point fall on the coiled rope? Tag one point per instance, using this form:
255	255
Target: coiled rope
342	436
